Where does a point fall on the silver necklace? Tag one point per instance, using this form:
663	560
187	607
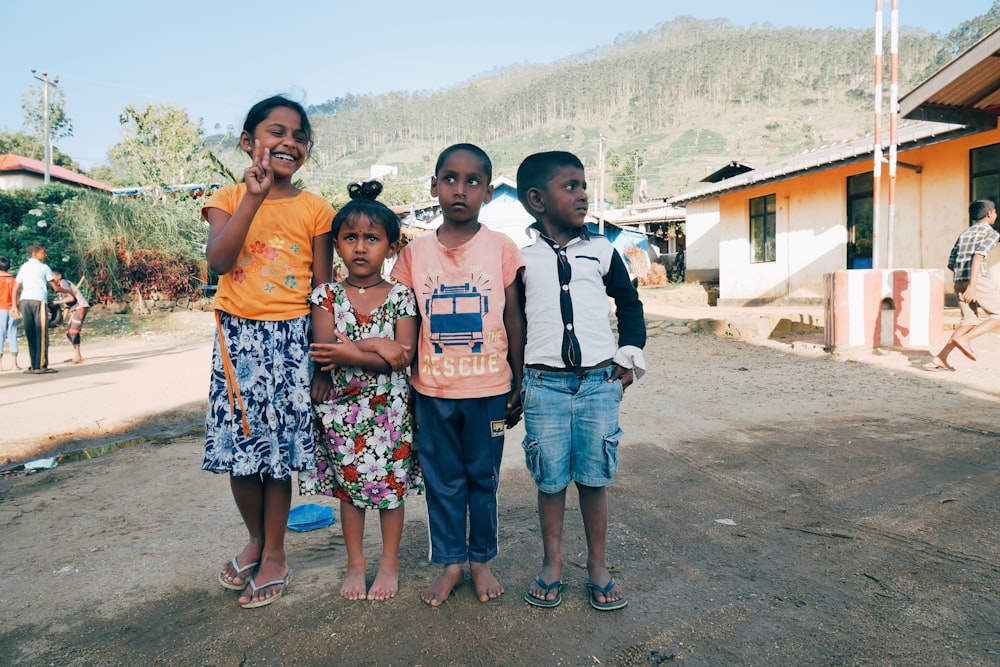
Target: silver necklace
361	289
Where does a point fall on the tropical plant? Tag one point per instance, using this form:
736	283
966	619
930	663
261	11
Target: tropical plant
162	147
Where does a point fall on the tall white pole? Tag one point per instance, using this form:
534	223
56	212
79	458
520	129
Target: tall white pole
600	187
45	124
893	114
877	148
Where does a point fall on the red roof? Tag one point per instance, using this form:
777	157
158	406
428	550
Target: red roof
11	162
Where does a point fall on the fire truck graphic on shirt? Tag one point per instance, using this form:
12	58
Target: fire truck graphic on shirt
455	313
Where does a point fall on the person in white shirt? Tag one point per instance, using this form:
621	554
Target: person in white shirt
31	305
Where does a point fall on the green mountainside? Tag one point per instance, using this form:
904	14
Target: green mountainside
680	101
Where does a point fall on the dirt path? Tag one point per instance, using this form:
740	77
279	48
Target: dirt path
772	508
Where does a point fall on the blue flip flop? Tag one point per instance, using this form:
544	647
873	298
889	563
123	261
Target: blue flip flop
604	590
542	602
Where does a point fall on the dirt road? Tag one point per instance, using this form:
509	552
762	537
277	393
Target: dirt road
772	508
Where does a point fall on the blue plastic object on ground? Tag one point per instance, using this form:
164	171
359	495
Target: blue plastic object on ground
309	517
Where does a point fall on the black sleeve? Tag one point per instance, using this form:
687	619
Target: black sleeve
628	307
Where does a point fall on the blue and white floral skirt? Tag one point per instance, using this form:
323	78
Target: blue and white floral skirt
259	417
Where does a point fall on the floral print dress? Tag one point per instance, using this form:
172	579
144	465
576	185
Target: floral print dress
364	446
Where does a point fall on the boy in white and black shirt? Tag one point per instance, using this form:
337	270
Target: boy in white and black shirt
575	371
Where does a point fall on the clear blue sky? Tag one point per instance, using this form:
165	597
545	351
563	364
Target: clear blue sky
215	59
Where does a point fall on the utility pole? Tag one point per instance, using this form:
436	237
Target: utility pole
635	176
46	127
600	187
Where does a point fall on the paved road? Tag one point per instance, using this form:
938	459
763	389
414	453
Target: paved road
126	388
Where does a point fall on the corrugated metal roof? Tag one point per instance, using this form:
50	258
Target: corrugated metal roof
966	90
909	135
11	162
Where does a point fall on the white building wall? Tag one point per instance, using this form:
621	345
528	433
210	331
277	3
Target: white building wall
701	223
810	234
20	181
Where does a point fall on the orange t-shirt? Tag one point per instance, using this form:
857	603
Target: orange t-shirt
6	291
462	346
272	277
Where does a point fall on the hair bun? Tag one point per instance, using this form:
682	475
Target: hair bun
366	190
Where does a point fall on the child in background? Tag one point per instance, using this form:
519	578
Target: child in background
270	243
975	288
575	373
8	320
468	370
78	307
364	333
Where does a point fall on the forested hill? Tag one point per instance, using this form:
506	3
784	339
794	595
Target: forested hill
680	100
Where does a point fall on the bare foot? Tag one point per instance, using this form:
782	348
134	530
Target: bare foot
487	585
353	587
386	583
441	589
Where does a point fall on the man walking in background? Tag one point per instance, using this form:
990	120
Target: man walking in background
31	302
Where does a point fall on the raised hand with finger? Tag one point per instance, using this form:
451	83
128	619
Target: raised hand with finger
259	177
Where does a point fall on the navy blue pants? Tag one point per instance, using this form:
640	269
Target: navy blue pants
460	445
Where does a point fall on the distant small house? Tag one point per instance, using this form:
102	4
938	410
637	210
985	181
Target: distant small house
380	172
662	224
417	216
24	173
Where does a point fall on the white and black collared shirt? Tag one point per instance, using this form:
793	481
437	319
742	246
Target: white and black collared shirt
567	308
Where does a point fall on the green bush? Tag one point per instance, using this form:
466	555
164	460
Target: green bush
28	216
115	246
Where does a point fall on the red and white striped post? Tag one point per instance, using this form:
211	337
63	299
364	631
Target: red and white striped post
884	308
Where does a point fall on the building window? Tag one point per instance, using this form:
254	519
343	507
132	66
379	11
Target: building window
984	173
762	228
860	202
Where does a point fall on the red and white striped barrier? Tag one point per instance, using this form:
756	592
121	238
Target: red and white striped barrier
884	308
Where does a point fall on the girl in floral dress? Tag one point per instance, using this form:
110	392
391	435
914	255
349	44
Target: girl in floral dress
365	331
269	242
